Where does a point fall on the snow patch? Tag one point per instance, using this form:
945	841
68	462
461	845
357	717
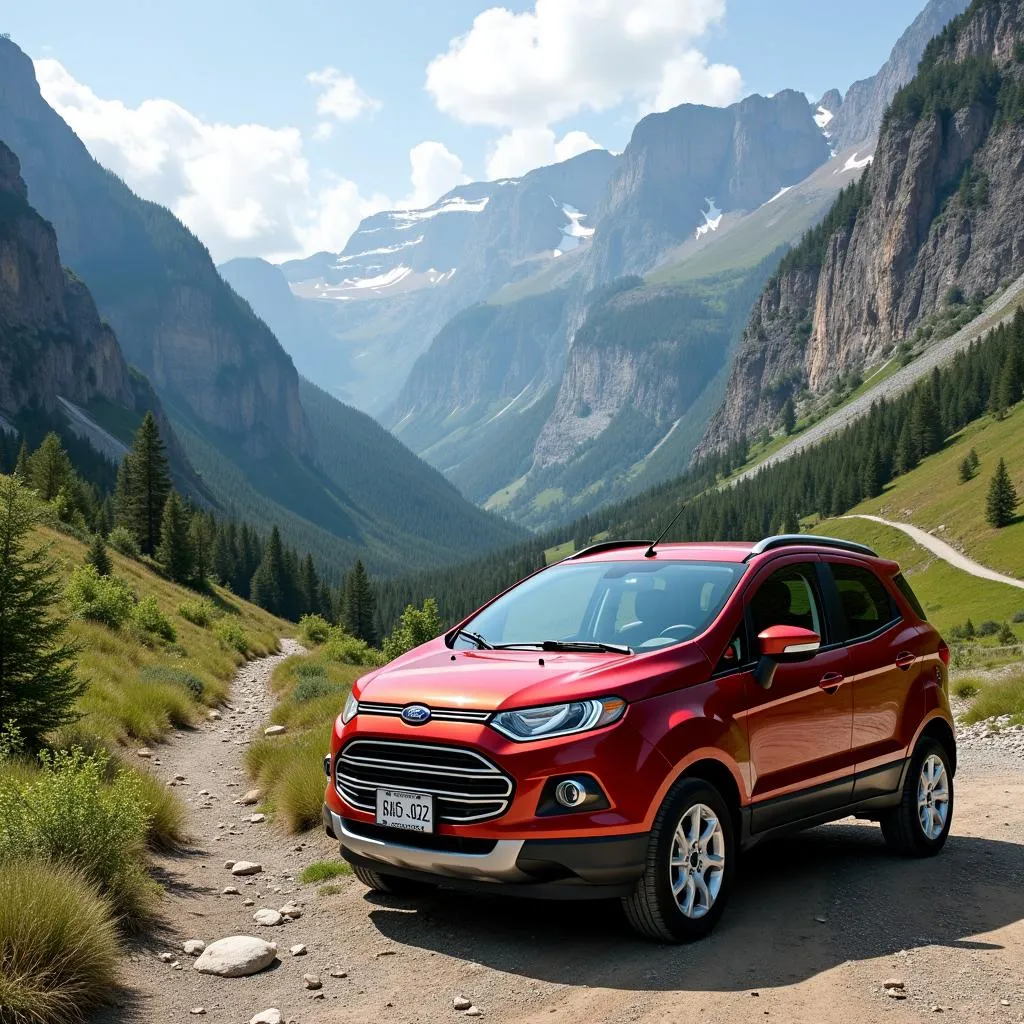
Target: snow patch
379	252
574	232
853	164
712	218
402	220
671	431
778	195
506	408
823	117
392	277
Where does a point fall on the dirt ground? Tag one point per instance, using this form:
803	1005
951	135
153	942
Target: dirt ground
816	926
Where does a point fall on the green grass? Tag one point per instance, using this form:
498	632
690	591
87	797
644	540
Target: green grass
324	871
58	944
993	698
560	551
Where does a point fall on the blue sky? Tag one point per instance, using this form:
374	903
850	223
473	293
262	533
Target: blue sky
161	92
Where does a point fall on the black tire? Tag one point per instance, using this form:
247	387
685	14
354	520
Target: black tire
902	827
651	908
378	881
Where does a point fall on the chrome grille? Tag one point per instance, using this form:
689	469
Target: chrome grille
466	786
436	714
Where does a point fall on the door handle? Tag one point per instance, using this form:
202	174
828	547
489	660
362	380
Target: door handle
904	660
831	681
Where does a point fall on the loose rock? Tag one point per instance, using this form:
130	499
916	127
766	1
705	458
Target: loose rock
166	958
198	1010
230	890
474	1011
268	918
271	1016
246	867
292	911
312	981
194	947
337	972
275	730
252	797
298	950
256	819
236	957
893	983
144	752
461	1003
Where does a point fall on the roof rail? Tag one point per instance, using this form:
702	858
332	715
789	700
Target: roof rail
792	539
608	545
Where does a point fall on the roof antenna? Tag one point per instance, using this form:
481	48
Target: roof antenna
650	552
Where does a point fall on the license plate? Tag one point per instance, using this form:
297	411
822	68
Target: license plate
398	808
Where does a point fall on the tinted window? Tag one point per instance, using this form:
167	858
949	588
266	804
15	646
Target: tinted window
789	597
908	593
865	601
644	605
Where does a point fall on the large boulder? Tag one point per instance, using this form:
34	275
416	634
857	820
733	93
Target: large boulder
236	957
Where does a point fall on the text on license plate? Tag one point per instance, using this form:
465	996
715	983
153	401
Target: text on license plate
398	808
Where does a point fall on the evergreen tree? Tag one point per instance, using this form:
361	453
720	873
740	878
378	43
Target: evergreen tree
225	559
1001	501
1006	389
309	587
926	424
788	417
124	514
269	587
966	470
38	685
21	469
97	556
49	468
326	608
872	476
3	450
174	552
972	456
359	605
150	483
200	540
907	452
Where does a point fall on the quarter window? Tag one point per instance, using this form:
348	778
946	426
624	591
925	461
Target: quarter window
865	601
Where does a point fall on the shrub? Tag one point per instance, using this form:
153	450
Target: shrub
290	770
310	670
313	687
1006	635
178	676
200	611
965	689
324	871
314	629
231	634
1003	696
349	650
150	619
416	626
988	628
58	944
122	539
70	813
1018	616
167	818
105	599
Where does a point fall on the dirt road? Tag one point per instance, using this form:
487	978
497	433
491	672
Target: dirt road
817	924
945	551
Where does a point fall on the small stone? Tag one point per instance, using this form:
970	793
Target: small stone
298	950
246	867
256	819
275	730
229	864
230	890
461	1003
197	1011
337	972
820	919
317	995
385	952
1004	1002
236	957
893	983
166	958
252	797
248	903
194	947
474	1011
312	981
896	993
292	911
179	778
215	716
268	918
271	1016
144	752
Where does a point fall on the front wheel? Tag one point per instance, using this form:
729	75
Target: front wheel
690	864
378	881
919	825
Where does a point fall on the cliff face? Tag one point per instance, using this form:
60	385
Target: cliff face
175	318
939	214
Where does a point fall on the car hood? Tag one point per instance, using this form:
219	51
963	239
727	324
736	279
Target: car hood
492	680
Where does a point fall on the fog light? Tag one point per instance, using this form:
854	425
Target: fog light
327	765
571	792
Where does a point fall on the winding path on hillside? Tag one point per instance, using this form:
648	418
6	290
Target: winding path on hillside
944	551
1001	310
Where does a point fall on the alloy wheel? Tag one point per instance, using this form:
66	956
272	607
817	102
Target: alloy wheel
933	796
697	864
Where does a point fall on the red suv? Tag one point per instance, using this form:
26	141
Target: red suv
625	722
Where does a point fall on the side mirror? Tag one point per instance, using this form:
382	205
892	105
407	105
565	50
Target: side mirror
782	644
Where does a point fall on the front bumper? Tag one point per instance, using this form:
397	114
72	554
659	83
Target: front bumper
593	868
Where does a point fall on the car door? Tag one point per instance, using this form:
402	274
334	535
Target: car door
799	730
884	662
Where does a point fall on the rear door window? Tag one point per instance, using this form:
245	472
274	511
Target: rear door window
864	599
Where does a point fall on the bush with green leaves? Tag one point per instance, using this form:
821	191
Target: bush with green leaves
415	627
200	611
313	687
177	676
988	628
231	634
72	812
314	630
123	540
349	650
105	599
150	619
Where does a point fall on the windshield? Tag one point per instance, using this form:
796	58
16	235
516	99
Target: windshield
642	605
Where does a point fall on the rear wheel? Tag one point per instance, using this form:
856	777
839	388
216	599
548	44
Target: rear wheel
919	825
379	881
690	863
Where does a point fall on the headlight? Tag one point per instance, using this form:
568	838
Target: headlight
350	710
558	719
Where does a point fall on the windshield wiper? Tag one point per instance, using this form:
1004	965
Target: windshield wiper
595	646
476	638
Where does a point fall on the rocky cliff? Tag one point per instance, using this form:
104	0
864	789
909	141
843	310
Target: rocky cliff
937	221
174	316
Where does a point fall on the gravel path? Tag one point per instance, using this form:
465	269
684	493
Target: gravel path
902	380
818	923
945	551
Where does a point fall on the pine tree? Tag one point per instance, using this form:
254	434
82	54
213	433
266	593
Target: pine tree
872	477
972	455
21	469
309	587
174	552
269	587
97	556
224	558
3	450
966	470
925	423
788	417
200	539
359	605
123	501
1006	390
38	684
1001	501
150	483
326	605
907	453
49	468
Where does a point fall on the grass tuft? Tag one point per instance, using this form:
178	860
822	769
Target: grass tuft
1004	696
965	689
324	871
58	944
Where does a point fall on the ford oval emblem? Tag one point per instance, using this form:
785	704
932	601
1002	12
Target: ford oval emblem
416	714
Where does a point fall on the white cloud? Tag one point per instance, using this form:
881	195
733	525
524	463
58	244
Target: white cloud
245	190
536	68
435	171
340	97
523	149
